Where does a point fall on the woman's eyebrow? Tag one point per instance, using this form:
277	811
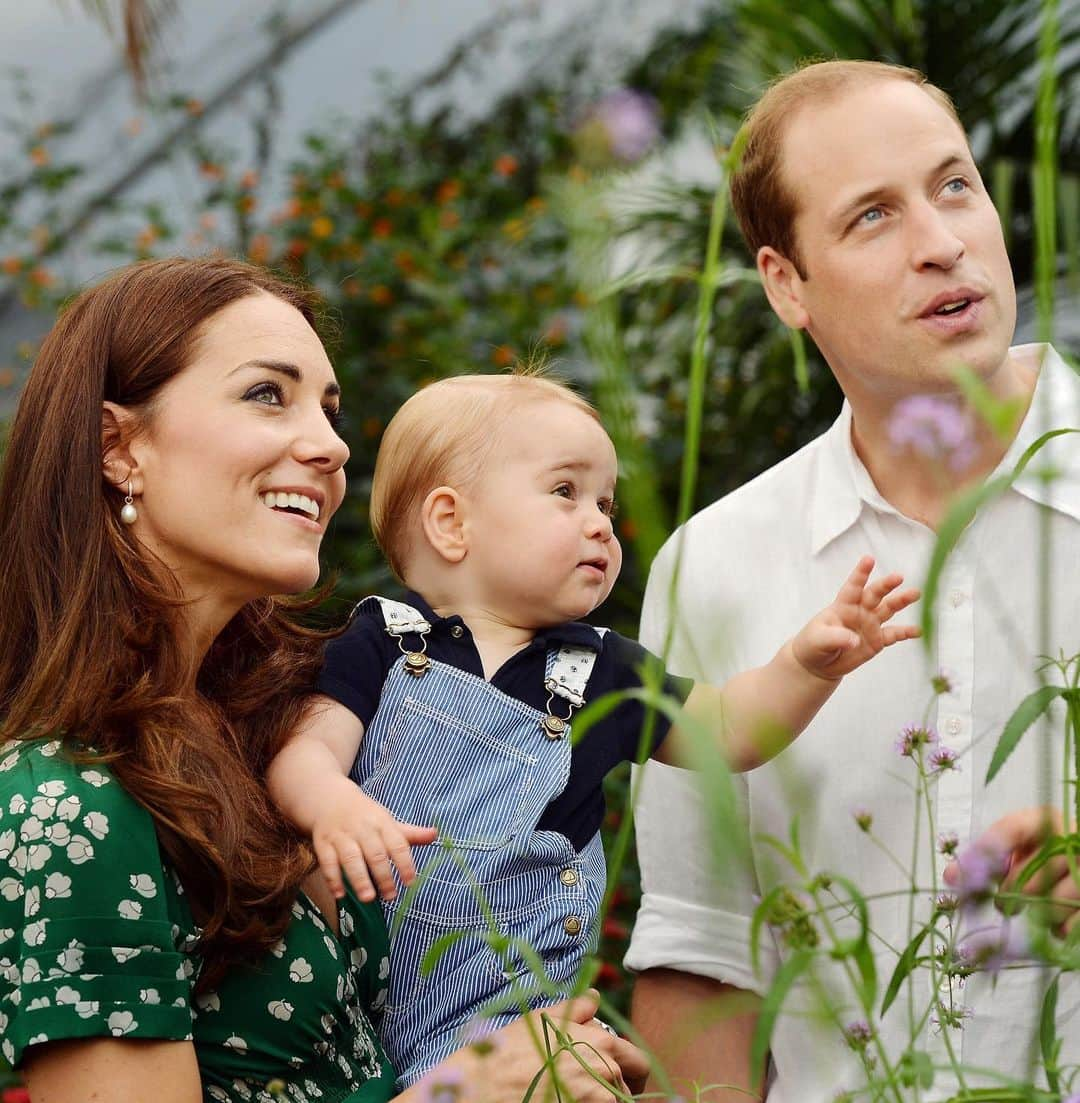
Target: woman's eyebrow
284	367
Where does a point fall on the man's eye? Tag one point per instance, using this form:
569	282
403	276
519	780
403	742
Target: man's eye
957	186
874	214
269	394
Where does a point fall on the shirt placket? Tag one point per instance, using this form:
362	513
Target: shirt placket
955	788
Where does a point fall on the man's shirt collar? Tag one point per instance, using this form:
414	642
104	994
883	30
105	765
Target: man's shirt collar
842	486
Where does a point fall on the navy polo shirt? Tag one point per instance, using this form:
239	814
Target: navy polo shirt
358	662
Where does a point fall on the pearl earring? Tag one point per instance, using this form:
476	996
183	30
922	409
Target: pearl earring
129	514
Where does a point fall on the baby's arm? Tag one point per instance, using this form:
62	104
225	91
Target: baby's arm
309	781
759	712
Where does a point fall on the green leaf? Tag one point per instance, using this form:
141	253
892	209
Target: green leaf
1048	1039
858	948
1025	714
439	947
785	977
916	1068
908	960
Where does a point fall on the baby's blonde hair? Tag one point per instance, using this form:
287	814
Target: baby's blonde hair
443	436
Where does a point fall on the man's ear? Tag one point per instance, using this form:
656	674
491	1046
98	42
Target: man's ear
442	520
783	286
118	464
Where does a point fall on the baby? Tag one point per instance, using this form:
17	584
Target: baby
493	499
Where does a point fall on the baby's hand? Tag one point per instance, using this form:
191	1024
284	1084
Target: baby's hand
854	628
357	836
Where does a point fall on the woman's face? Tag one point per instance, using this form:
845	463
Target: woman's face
239	468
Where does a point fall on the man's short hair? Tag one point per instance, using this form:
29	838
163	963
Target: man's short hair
763	203
443	436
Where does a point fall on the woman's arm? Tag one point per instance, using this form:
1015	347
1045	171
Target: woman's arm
112	1070
504	1068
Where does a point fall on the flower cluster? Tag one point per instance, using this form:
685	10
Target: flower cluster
934	427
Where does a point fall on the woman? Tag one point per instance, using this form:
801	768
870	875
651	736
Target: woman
172	466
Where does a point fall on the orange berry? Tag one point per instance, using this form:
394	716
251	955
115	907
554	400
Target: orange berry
11	266
503	356
381	295
39	155
506	165
382	227
448	191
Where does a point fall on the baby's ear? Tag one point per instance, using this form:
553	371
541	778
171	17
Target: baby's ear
442	519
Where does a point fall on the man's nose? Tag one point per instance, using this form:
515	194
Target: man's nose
934	241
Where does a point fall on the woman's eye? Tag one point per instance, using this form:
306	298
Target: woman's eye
269	394
336	416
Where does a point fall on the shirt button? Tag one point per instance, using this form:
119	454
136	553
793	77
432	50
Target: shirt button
569	876
572	924
954	725
957	598
457	631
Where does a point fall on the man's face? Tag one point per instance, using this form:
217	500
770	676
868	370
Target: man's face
906	271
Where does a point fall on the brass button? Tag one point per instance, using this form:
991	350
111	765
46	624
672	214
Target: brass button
554	727
572	924
457	631
569	876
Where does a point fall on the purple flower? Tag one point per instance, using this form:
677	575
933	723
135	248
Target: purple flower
858	1034
991	947
622	126
913	737
946	903
863	817
942	759
979	866
947	842
942	683
934	427
442	1085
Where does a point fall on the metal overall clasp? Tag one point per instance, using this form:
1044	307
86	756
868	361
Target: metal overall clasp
417	663
555	727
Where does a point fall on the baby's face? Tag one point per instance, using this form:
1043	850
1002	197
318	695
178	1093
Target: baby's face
540	519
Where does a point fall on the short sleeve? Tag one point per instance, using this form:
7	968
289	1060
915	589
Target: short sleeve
355	667
88	947
630	659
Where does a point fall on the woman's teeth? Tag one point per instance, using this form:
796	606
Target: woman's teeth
298	503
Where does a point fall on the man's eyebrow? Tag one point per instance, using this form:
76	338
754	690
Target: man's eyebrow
283	367
872	195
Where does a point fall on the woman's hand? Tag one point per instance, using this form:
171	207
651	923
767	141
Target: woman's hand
590	1063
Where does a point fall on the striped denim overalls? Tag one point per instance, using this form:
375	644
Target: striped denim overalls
448	749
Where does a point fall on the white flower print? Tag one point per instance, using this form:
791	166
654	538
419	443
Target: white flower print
340	988
17	804
144	885
87	1009
49	749
121	1022
186	970
297	910
57	886
3	1022
52	788
6	935
17	860
32	901
346	922
6	1048
71	959
237	1043
384	968
66	994
59	834
69	808
241	1089
37	1039
31	830
7	843
38	855
378	1002
278	949
10	889
359	957
330	946
125	953
34	933
43	807
296	1062
38	1003
9	761
97	823
215	1092
313	1089
94	778
130	909
149	995
79	850
31	971
327	1023
280	1009
300	972
209	1002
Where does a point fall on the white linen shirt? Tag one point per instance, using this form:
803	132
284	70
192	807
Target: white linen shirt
756	566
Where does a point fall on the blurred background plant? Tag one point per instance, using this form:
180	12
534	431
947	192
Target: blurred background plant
569	215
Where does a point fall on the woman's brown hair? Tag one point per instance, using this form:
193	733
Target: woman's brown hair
88	639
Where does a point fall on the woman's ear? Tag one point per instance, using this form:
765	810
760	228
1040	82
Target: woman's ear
118	465
442	520
783	287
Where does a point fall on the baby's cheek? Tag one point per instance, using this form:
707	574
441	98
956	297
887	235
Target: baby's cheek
614	550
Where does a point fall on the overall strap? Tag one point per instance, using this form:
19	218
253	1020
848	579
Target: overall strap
400	619
569	670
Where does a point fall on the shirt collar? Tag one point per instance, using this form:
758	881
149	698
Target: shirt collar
571	634
842	485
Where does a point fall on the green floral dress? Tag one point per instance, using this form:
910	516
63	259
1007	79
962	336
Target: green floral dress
96	939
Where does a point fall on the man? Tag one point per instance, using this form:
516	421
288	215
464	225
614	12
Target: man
873	232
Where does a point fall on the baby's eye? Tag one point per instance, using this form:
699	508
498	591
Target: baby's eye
268	393
564	490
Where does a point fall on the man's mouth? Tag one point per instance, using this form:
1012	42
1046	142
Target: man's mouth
951	303
288	502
